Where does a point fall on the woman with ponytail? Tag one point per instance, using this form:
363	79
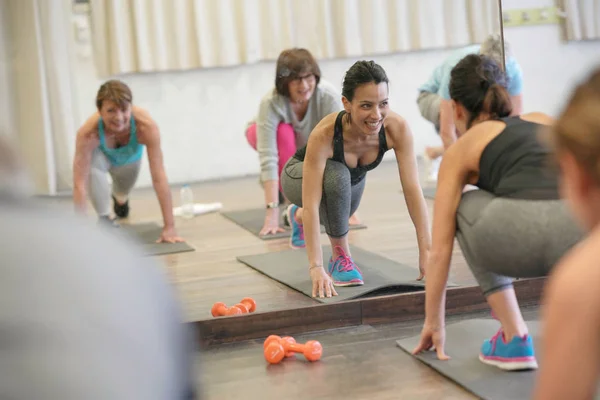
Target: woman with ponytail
515	225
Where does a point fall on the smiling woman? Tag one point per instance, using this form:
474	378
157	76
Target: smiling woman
325	179
111	142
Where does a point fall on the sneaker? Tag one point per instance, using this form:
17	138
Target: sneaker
518	354
297	236
344	271
284	217
121	210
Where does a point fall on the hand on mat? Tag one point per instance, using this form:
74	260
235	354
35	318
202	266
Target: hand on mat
322	283
432	337
271	225
169	235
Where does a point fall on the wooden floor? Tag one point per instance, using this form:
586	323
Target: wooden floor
358	363
212	274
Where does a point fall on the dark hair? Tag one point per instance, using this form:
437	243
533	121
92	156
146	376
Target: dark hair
116	91
577	129
360	73
479	84
291	63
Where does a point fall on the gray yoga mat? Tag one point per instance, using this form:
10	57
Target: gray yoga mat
463	342
253	219
147	233
381	275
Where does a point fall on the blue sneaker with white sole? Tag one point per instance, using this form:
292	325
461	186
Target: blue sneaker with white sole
297	236
343	270
518	354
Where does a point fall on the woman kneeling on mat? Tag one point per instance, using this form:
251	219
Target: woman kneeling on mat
325	179
286	117
514	226
571	321
112	142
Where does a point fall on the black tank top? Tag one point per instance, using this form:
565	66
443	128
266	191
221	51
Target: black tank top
358	173
515	164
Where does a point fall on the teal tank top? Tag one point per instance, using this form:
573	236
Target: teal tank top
128	154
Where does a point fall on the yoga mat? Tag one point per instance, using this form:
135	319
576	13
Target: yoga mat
253	219
147	234
381	275
463	342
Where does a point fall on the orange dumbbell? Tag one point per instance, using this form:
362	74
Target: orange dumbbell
220	309
277	339
276	350
247	305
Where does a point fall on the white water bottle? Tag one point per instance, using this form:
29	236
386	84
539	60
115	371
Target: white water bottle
187	202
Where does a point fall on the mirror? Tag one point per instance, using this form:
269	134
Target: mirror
218	272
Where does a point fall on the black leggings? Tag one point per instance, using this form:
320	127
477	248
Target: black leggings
339	201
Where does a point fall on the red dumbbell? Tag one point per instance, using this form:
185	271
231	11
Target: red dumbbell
277	339
275	351
247	305
220	309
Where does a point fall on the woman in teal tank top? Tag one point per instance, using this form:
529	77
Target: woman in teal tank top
112	142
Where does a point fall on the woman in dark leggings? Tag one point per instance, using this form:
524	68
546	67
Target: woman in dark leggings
325	180
514	226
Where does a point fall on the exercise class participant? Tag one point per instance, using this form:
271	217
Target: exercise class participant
325	179
434	96
515	225
78	321
571	321
112	142
286	116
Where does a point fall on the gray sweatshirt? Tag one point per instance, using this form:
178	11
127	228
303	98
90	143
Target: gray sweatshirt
275	109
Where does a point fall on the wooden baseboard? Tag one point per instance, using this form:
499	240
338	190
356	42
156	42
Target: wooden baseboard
371	311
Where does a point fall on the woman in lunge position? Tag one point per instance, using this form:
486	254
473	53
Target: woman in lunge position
325	179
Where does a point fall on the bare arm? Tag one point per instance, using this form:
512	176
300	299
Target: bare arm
409	178
451	181
160	183
517	104
85	143
571	327
447	127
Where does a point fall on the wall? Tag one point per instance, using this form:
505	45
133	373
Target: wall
203	114
7	109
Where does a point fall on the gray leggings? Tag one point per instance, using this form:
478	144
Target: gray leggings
429	106
123	177
339	200
503	238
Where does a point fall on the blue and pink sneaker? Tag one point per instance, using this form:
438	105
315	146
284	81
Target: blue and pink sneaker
343	270
518	354
297	236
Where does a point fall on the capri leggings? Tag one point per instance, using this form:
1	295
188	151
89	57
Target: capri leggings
505	238
339	201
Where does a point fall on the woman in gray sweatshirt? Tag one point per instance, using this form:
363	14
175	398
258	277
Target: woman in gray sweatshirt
287	114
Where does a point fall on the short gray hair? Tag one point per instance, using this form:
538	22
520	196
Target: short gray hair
492	47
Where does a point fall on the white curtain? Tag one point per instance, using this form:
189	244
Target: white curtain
582	20
132	36
39	59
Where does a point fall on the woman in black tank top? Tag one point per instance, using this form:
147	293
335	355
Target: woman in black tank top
325	180
515	225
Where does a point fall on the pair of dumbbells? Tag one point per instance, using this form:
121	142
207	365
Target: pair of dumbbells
247	305
277	348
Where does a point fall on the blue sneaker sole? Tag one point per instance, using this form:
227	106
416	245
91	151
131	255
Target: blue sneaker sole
524	363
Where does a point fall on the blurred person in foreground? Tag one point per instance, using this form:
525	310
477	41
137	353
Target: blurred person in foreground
76	321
